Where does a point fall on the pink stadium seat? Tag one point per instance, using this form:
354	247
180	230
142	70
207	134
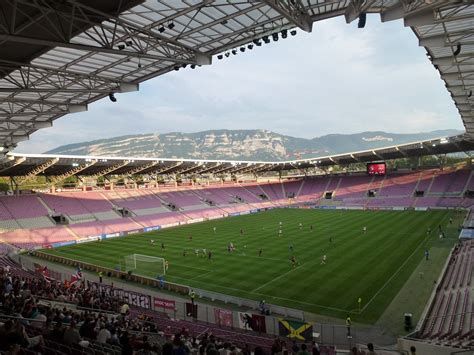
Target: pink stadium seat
352	187
25	206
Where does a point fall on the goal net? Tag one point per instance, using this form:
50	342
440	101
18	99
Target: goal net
145	264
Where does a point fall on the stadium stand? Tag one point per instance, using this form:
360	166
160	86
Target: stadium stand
399	185
94	213
352	187
450	320
292	188
131	330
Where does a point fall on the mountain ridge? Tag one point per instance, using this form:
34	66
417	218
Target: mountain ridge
240	144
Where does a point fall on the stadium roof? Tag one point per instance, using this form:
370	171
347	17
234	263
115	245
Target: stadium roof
60	167
57	57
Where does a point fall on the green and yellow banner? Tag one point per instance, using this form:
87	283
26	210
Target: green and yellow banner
295	330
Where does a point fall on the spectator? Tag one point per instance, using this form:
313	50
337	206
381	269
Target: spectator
126	345
370	348
104	334
124	309
57	334
315	350
295	348
71	335
40	319
303	350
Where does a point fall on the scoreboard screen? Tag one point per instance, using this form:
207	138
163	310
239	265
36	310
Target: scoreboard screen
376	168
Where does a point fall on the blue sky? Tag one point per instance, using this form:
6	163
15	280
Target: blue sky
337	79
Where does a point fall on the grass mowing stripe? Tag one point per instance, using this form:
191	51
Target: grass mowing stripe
358	264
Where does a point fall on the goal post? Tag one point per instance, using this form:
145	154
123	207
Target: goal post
134	262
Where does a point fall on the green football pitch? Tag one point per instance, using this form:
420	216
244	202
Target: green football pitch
372	265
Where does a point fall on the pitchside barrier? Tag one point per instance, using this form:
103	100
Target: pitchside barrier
235	313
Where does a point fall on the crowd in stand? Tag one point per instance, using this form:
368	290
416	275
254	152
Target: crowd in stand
29	323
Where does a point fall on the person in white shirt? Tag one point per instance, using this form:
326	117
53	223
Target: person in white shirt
104	335
124	309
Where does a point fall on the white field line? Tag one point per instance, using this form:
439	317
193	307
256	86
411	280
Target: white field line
396	272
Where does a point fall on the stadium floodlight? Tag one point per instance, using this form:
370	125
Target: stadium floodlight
161	29
234	52
121	46
266	39
193	66
362	20
220	56
176	68
184	65
284	34
275	37
112	97
227	54
171	25
129	43
242	49
458	50
293	32
250	46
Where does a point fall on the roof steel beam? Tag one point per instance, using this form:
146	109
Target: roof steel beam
31	74
71	172
209	169
108	30
127	29
141	168
416	12
293	11
43	103
224	170
167	169
34	113
356	8
58	90
16	162
89	48
109	170
38	170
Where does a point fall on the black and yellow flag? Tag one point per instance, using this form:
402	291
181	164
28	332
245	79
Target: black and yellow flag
295	330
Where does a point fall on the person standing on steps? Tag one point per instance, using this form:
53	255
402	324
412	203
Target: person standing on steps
348	325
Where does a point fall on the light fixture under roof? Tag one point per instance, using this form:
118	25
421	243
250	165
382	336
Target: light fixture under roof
458	50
